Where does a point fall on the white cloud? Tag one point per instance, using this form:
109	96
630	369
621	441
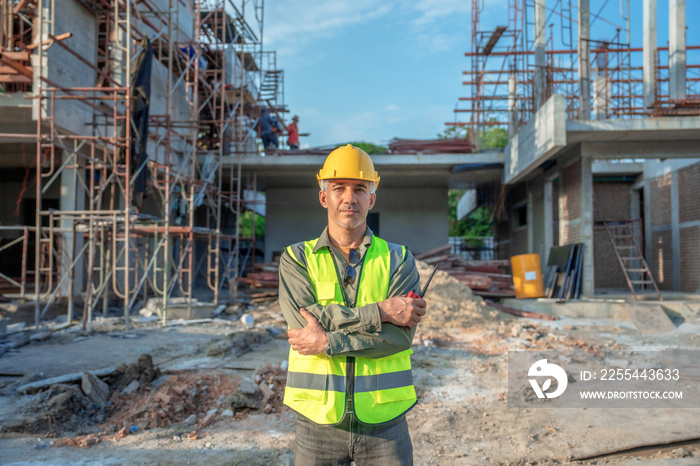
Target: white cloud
290	24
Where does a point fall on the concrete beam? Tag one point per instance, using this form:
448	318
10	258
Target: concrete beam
393	160
649	52
607	167
642	150
584	64
676	49
537	141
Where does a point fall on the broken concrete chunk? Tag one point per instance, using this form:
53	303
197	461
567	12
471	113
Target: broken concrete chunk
248	395
40	336
95	389
131	388
18	340
227	413
239	342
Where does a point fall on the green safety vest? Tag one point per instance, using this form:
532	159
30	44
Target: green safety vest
317	386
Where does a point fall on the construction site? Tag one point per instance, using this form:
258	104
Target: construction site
140	323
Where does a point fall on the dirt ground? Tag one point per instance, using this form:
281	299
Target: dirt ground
213	393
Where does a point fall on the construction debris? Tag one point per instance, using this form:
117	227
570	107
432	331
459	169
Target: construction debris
431	146
485	278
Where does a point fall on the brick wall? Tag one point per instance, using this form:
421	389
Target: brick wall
611	201
688	192
661	260
690	259
571	196
571	234
660	192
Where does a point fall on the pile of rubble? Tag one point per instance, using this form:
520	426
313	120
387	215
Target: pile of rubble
128	398
452	304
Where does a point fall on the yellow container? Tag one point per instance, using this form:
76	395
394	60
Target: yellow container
527	276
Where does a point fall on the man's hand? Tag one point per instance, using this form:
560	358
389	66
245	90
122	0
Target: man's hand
402	311
309	340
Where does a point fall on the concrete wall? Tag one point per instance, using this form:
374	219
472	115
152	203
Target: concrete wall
543	136
67	70
536	223
416	218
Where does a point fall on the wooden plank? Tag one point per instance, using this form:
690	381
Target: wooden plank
14	78
491	263
73	377
494	293
19	56
519	313
471	281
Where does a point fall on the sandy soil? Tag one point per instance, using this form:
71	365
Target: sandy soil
460	371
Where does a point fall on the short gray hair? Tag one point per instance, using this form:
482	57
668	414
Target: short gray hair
372	186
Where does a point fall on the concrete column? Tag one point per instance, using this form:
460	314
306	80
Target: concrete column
540	59
648	246
675	232
649	52
676	49
560	207
548	221
588	285
513	116
601	98
72	198
584	65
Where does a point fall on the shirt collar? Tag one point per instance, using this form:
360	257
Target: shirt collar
324	241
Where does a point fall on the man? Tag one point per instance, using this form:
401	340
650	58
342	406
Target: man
269	128
344	296
293	133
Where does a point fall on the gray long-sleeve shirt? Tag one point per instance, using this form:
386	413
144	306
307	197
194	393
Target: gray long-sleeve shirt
351	330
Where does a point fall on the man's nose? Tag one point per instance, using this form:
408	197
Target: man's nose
349	195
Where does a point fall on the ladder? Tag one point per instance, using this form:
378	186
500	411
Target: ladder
635	268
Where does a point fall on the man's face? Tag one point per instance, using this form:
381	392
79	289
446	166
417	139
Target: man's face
347	202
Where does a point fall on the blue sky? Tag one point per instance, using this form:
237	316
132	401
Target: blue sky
371	70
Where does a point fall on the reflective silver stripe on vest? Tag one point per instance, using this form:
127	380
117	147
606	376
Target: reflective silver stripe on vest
306	380
372	383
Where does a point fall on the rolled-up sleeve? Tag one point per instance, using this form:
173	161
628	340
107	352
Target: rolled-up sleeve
351	331
297	291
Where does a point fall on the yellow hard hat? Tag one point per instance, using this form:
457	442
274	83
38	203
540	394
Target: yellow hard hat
349	163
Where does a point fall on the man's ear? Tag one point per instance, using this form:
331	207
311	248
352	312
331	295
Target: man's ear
322	198
372	200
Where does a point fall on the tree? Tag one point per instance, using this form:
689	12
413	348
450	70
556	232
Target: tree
493	137
368	147
246	225
478	224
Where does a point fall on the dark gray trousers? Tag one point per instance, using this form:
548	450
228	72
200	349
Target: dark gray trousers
351	441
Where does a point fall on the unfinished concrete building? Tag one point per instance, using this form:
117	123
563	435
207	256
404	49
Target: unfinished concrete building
115	119
604	147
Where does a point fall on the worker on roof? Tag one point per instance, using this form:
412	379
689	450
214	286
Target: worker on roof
269	129
293	133
344	296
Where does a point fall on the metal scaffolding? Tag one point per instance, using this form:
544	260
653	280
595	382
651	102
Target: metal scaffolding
536	51
155	207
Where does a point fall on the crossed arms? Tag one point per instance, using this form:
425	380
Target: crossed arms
374	330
